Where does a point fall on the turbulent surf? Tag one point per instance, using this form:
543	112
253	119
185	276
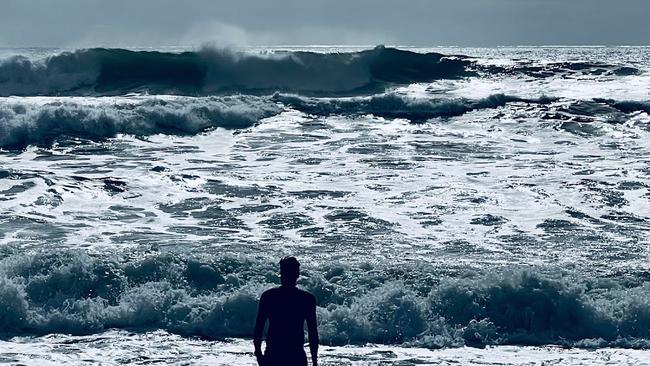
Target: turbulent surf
437	198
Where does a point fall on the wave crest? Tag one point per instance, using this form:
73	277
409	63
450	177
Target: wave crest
393	105
41	121
210	71
24	122
72	292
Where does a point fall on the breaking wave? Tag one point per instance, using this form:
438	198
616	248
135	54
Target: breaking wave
392	105
209	71
560	68
41	121
626	106
24	121
216	297
212	71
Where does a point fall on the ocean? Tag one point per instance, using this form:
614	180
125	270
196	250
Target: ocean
473	206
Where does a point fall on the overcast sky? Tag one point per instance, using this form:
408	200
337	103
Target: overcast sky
120	23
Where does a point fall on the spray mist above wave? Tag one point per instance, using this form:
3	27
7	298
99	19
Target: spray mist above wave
212	71
212	296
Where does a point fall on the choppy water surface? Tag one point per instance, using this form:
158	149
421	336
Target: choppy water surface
120	348
497	198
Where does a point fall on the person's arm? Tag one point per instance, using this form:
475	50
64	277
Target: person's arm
312	330
260	321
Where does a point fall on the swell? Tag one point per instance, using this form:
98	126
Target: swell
560	68
626	106
216	297
212	71
392	105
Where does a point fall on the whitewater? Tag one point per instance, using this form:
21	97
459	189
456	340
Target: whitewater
448	205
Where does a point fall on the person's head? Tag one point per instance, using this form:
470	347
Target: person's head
289	271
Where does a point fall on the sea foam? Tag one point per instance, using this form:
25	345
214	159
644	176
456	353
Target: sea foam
216	297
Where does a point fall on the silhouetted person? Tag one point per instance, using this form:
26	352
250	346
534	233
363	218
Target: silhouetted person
286	308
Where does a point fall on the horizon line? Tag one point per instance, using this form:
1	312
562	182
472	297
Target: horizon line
208	44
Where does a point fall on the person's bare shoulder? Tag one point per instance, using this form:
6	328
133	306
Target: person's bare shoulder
270	292
308	297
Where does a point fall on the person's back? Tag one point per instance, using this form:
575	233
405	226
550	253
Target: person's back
286	308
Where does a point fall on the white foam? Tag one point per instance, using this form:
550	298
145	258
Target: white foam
118	348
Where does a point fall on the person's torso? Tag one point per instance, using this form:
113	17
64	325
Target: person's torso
287	311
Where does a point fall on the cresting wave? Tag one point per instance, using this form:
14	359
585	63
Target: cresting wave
216	297
41	121
392	105
25	121
551	69
211	71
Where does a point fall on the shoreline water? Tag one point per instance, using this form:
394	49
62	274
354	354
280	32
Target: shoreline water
121	348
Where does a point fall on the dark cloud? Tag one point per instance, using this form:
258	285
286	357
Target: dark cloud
74	23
